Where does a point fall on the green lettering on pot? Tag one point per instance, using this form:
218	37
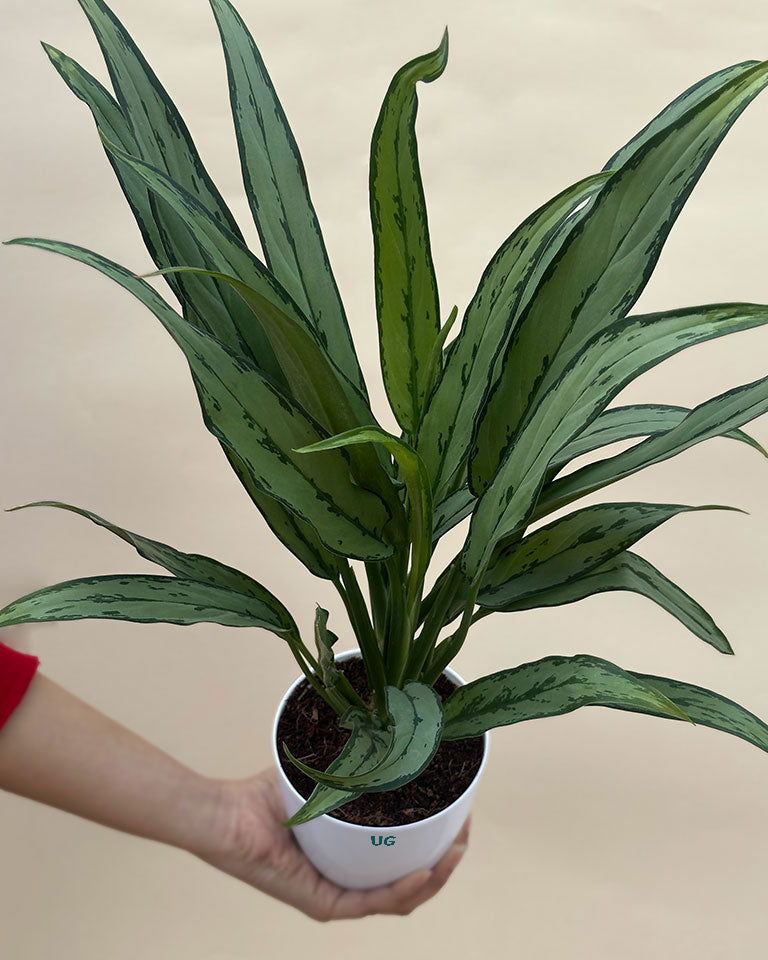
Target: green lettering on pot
387	841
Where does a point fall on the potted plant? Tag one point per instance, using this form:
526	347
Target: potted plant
489	421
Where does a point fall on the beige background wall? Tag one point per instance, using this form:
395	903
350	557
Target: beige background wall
597	835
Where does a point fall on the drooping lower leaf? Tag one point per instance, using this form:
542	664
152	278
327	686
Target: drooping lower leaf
628	571
365	747
416	724
569	547
190	566
710	709
548	688
142	599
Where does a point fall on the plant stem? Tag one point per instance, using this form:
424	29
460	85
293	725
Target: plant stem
433	624
351	694
334	701
366	637
399	632
379	601
449	648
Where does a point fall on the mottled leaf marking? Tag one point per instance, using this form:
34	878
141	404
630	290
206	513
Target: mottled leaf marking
548	687
141	599
276	185
192	566
607	260
628	571
237	400
610	361
407	303
416	723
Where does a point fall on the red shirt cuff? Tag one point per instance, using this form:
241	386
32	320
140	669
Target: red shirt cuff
16	672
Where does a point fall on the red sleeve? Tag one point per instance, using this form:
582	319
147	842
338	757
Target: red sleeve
16	672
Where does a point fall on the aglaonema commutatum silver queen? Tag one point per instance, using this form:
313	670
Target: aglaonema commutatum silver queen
489	419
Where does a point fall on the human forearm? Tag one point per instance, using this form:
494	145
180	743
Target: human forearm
62	752
59	751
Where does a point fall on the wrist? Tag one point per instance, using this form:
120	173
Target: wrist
201	816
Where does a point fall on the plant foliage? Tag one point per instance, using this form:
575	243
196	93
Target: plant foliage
489	420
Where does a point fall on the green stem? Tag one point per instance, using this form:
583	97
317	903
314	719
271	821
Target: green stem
398	638
334	701
307	654
433	623
351	694
444	653
379	601
428	603
366	637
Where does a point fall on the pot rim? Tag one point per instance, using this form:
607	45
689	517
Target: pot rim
346	655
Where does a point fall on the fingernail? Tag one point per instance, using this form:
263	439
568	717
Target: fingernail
420	877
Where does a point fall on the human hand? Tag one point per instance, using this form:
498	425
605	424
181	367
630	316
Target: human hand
254	847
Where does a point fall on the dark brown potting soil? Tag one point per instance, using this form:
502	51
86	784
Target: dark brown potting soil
309	727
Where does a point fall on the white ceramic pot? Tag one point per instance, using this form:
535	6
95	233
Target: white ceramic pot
360	857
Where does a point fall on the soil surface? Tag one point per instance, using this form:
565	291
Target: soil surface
309	727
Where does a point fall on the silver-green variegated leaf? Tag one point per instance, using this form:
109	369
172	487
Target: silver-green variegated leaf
319	387
610	361
604	266
415	728
313	378
161	138
548	688
637	420
407	303
276	186
416	482
695	95
141	599
166	238
244	410
452	510
712	418
190	566
220	250
366	746
112	124
710	709
446	430
569	547
159	130
630	572
294	533
202	302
